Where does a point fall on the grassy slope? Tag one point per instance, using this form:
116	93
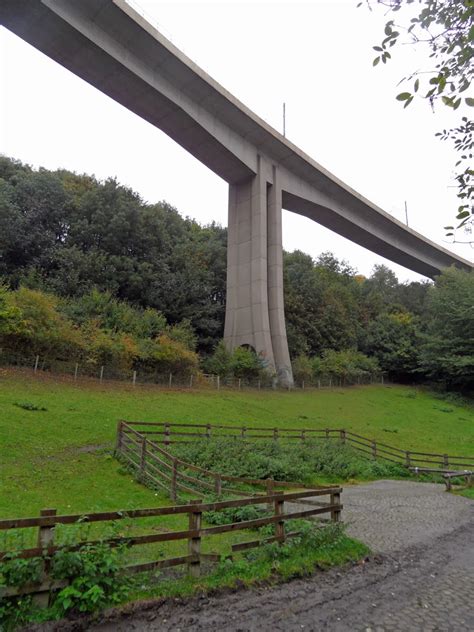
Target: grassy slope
45	458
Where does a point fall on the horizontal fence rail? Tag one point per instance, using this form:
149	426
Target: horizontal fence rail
193	534
157	466
168	433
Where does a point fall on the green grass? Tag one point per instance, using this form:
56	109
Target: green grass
60	457
269	563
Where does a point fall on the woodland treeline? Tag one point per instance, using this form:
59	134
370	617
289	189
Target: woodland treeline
90	271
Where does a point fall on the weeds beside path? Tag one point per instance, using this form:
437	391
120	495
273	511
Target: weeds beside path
422	579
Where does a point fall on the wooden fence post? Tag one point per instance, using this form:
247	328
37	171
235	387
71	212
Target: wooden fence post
118	445
143	458
270	485
336	511
280	525
194	544
170	381
275	434
208	431
36	363
218	382
134	378
76	368
303	435
445	460
218	484
327	433
374	450
101	377
167	434
45	539
174	476
243	431
342	434
407	459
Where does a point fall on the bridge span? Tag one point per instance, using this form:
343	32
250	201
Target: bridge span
112	47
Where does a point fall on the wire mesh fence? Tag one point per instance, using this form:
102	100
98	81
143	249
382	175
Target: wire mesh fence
103	373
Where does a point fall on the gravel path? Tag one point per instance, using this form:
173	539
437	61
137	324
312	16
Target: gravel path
422	578
390	516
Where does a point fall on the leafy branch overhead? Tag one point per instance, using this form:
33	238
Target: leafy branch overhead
446	29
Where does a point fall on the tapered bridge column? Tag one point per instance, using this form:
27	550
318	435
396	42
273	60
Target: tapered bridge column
255	308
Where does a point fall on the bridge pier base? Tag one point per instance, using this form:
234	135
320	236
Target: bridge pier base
255	306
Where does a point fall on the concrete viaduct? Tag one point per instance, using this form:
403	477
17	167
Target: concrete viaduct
112	47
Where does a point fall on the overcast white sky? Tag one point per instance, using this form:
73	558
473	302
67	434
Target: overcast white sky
316	56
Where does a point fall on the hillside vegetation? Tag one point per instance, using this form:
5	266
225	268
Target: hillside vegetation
94	274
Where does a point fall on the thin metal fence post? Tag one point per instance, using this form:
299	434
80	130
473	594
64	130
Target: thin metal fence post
101	373
134	378
170	380
218	382
36	363
76	368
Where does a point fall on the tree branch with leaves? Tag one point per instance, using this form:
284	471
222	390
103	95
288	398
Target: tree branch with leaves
446	29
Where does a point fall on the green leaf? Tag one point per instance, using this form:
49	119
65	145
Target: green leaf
376	61
417	85
403	96
463	214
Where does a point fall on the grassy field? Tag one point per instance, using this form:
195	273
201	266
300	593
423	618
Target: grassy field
60	457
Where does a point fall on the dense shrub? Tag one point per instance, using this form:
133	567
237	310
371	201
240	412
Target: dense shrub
95	330
290	461
242	363
347	366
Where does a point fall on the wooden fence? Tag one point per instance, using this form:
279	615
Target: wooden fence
48	520
170	433
159	467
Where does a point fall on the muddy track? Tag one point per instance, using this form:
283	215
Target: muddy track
424	584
